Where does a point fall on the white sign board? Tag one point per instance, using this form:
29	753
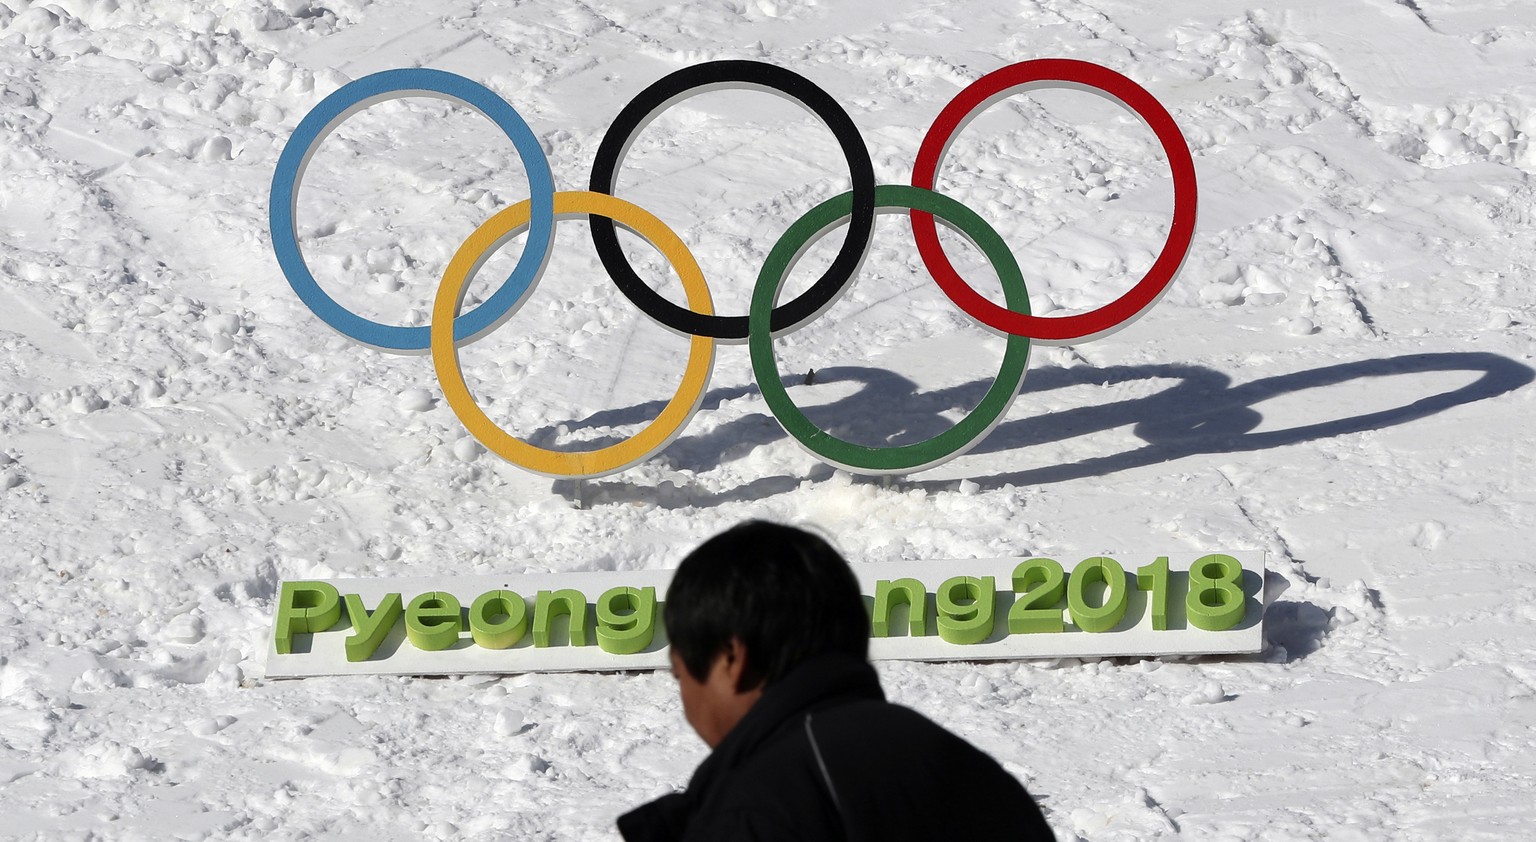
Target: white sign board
1034	614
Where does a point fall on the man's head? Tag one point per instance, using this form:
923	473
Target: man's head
746	608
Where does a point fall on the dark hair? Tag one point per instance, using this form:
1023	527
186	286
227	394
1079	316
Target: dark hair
783	591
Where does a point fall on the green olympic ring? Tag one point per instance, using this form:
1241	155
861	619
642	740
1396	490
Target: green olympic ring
894	459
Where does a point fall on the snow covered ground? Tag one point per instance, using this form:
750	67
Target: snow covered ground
1338	378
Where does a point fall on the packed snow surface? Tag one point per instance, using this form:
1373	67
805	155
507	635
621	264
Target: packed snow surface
1340	377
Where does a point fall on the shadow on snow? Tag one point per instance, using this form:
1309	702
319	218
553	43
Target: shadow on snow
1202	413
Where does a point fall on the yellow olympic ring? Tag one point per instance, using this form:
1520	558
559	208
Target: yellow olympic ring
552	463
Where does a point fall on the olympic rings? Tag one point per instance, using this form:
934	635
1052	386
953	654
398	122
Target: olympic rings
1145	293
445	356
895	459
354	97
676	86
766	318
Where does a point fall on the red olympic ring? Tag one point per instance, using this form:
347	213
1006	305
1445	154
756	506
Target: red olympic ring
1000	83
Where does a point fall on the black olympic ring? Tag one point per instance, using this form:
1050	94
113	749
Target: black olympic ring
661	95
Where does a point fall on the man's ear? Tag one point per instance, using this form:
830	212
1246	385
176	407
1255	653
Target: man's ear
736	665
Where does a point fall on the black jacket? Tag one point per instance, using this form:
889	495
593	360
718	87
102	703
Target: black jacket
823	756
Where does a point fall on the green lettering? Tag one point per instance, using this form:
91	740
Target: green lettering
1111	610
966	610
370	629
1040	584
498	619
888	595
1215	601
304	608
432	621
626	620
1154	578
551	604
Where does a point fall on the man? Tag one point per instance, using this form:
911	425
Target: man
770	647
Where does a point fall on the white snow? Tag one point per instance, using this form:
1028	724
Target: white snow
1339	377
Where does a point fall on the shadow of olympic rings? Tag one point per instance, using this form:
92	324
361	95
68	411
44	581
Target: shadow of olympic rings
1202	413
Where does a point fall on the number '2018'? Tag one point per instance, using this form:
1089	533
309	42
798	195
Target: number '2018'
1214	601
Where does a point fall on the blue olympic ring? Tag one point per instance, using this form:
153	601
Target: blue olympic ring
356	96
